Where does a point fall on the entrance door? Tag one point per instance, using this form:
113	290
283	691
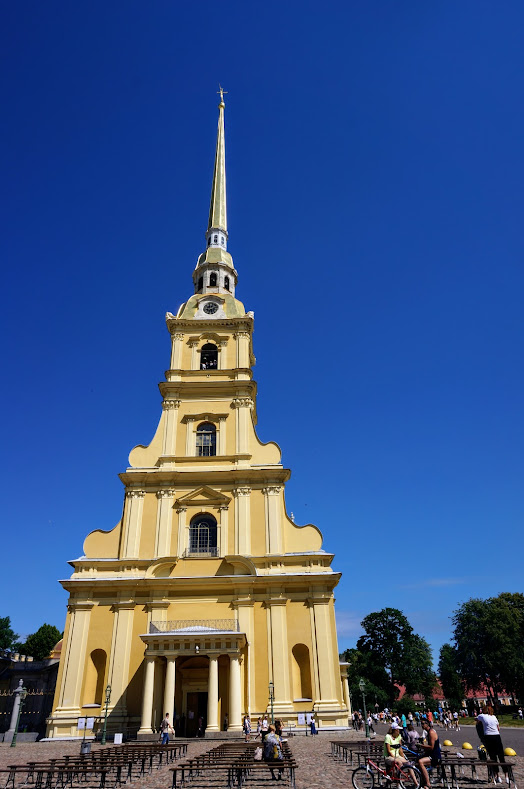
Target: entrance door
196	711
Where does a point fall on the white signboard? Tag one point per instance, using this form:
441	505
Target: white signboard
308	718
118	739
301	719
81	724
90	723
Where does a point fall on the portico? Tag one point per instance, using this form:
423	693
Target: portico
186	646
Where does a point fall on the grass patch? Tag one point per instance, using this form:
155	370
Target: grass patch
504	720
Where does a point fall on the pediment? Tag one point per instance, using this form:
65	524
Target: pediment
203	497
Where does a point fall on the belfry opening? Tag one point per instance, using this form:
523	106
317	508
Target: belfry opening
205	595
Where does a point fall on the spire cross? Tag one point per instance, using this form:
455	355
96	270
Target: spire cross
221	91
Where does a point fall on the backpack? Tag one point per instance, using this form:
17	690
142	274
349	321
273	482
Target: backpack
272	750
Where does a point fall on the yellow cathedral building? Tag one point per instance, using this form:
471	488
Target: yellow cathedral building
206	599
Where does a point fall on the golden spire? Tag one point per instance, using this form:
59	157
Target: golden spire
218	207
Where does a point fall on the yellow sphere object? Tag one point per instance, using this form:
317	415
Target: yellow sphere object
509	752
447	743
467	746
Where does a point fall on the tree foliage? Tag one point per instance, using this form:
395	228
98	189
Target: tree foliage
375	677
488	636
450	679
8	637
40	644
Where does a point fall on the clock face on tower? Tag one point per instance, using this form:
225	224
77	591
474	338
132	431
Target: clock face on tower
210	308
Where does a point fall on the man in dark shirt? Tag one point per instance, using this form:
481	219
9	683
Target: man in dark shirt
432	749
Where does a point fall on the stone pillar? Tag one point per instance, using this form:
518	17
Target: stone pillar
133	523
279	666
193	344
170	427
242	338
345	693
243	407
224	536
323	636
10	733
181	512
118	673
163	522
169	689
222	355
246	624
213	723
235	694
190	437
272	501
242	521
147	695
221	448
74	657
176	351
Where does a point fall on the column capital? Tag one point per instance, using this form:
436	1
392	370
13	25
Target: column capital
243	402
272	490
135	494
317	600
243	602
165	493
167	405
123	605
160	605
177	336
193	343
271	601
241	492
81	605
241	334
181	509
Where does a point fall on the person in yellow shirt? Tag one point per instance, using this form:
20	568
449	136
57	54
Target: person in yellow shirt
393	753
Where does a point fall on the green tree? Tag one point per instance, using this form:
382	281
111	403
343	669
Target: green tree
390	642
450	679
40	644
488	637
8	637
405	705
377	681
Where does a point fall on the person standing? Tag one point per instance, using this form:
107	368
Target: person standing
312	725
246	725
264	727
165	726
492	739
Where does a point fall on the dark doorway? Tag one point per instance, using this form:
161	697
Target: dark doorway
196	711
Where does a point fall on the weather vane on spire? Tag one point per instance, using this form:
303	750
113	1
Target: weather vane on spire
221	91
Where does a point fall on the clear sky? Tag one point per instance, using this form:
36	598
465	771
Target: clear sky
375	171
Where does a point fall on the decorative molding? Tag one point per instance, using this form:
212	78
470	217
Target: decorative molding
204	496
205	417
135	494
165	493
181	509
222	343
241	334
193	343
178	336
243	402
272	490
242	492
168	405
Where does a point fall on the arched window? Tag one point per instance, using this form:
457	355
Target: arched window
226	283
209	357
215	239
203	535
206	439
200	283
301	671
212	280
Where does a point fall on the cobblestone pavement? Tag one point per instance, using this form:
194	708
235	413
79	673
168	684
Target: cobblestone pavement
316	768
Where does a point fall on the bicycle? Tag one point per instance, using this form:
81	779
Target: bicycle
363	777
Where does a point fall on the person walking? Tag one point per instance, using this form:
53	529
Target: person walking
246	726
492	739
165	726
272	751
264	727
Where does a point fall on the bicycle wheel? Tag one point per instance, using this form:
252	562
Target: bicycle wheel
409	777
362	778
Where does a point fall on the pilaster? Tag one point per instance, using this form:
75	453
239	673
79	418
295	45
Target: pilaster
176	351
243	406
242	338
118	674
193	344
242	521
279	668
75	657
273	523
224	536
323	635
190	437
163	522
170	408
221	448
133	523
246	623
182	542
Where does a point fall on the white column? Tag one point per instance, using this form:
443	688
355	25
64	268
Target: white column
243	407
163	522
176	351
323	636
170	408
242	521
181	511
242	338
221	449
190	437
345	693
212	695
147	696
133	523
272	503
224	536
169	688
222	355
235	694
74	656
118	674
193	344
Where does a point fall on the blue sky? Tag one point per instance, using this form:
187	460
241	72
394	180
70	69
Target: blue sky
375	171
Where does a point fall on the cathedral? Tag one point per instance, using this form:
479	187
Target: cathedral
206	600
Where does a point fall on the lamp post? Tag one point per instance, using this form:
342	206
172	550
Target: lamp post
271	699
362	686
108	699
21	694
